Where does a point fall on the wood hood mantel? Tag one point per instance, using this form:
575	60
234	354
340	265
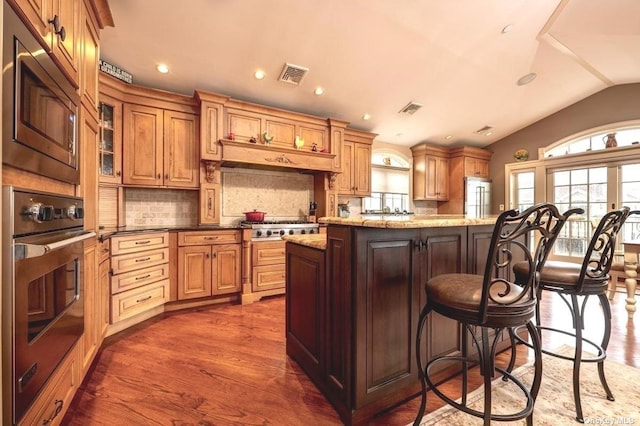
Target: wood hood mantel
247	153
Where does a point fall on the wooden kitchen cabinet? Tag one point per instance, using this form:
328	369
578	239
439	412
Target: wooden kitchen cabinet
110	147
430	173
139	275
64	50
89	45
268	267
161	147
55	398
92	305
246	121
355	178
465	162
362	355
209	263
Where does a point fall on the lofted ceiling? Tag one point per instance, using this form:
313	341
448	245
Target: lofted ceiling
375	57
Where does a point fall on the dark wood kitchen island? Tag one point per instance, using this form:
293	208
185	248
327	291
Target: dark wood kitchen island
353	301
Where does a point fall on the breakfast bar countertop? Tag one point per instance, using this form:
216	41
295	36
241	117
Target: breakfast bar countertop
317	241
407	221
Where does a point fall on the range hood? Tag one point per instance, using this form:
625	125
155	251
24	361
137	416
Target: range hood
245	154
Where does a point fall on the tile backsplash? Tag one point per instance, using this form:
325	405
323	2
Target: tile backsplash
282	195
160	207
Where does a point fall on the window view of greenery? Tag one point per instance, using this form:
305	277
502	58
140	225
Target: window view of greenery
385	202
596	142
586	189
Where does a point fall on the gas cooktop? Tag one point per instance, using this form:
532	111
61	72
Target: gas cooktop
274	222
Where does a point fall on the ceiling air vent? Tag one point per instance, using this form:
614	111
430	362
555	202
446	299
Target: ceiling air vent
293	74
410	108
484	129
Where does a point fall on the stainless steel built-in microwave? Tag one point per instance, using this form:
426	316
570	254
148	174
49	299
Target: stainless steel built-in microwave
39	107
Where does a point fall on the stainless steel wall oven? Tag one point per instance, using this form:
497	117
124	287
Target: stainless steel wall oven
39	107
42	291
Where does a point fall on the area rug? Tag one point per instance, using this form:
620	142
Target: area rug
554	405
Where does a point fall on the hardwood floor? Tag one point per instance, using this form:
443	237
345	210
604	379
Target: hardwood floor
227	365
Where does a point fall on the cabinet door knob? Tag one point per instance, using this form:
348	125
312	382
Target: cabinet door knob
166	176
118	173
159	176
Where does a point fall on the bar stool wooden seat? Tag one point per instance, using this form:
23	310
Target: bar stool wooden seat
483	303
575	283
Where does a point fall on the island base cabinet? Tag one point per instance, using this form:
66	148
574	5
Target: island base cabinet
305	316
352	326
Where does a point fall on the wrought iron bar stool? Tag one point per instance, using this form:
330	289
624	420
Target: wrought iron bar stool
493	302
572	281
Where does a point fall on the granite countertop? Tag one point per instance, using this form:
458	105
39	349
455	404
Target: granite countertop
317	241
110	232
407	221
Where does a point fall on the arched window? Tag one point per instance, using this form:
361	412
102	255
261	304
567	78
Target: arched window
619	136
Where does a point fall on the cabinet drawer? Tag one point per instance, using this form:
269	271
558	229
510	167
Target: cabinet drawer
49	408
103	250
134	279
268	277
135	261
200	238
268	253
136	243
132	302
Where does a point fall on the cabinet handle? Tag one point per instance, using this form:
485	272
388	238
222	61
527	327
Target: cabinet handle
214	255
166	176
143	242
419	245
118	173
159	176
144	277
144	299
207	256
209	203
144	259
59	404
210	238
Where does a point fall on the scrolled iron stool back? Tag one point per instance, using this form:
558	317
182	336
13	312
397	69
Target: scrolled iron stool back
493	301
573	280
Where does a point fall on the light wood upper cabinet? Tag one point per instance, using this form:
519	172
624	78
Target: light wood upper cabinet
211	125
430	173
160	147
181	147
90	53
476	167
65	44
355	178
143	148
110	146
61	40
464	162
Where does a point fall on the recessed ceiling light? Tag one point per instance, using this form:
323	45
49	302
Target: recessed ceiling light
526	79
507	28
488	133
319	91
259	74
162	68
448	137
366	116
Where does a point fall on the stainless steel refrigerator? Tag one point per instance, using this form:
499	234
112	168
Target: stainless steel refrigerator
477	197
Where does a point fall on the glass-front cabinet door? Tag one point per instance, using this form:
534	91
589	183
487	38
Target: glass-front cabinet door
110	149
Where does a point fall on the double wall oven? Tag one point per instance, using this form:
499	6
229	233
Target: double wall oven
42	290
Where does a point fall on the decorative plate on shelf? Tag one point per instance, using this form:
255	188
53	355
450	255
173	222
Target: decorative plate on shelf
521	155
